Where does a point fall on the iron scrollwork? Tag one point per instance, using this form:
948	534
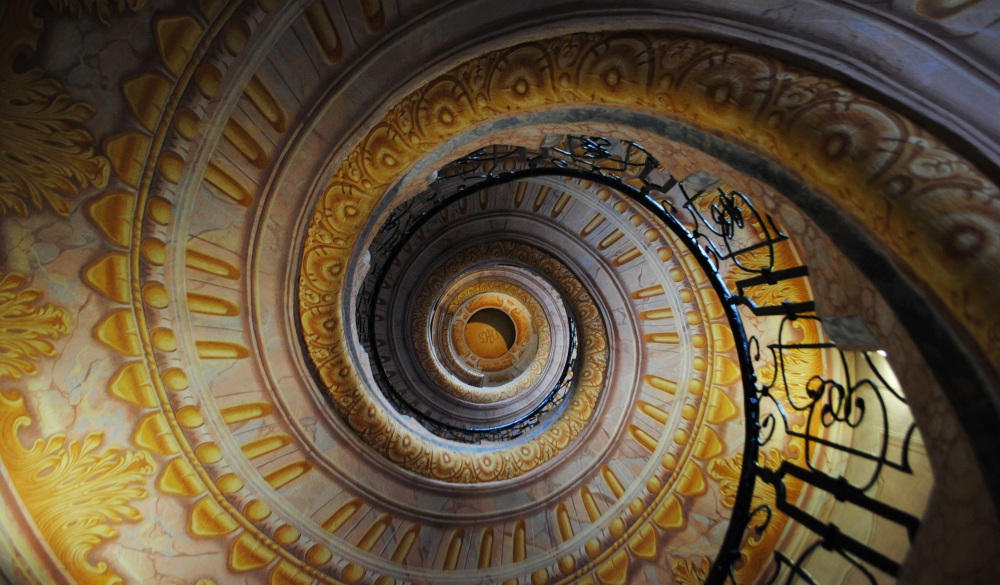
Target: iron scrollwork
809	414
600	158
737	246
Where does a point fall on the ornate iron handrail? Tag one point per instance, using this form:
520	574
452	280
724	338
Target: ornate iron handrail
575	156
727	234
823	404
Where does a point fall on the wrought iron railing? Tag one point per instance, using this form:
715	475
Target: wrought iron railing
804	412
821	405
738	247
575	156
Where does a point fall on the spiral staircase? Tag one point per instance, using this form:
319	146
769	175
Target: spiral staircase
476	292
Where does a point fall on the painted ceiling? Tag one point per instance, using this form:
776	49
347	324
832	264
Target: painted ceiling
189	196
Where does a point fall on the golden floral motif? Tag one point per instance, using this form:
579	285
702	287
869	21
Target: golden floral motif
816	127
690	571
26	330
727	473
758	549
45	155
792	372
794	118
73	492
782	255
837	139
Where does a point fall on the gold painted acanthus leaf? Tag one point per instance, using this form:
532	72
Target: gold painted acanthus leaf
45	155
690	571
73	491
26	329
758	549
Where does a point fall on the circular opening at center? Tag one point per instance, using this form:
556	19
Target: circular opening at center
490	333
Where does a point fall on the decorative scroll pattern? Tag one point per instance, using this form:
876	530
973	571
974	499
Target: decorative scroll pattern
808	415
73	492
801	122
814	125
406	449
821	415
745	246
44	153
601	157
26	330
690	571
824	403
234	548
767	527
580	154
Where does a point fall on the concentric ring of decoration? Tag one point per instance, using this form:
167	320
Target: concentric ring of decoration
210	414
496	412
166	326
269	519
618	231
607	504
381	425
445	285
538	319
440	394
542	352
486	349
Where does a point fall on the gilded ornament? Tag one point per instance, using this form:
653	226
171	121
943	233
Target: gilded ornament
27	331
409	450
810	124
74	492
608	77
45	155
434	286
793	290
758	550
690	571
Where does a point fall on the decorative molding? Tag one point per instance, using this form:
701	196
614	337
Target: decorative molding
45	155
73	492
26	330
925	203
